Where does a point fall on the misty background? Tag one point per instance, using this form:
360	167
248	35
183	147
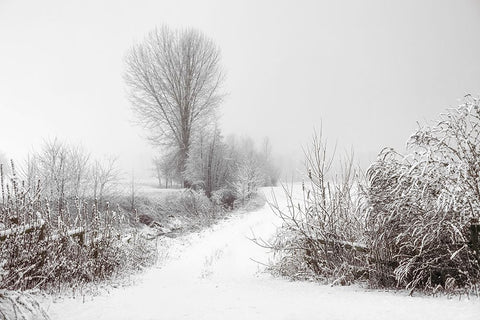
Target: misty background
364	71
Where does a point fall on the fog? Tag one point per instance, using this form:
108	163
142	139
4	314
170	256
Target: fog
365	72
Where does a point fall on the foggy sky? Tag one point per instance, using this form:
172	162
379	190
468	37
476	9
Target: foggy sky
364	70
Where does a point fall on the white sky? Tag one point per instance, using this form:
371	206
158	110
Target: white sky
367	69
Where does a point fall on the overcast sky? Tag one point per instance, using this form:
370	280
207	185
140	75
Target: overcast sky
367	70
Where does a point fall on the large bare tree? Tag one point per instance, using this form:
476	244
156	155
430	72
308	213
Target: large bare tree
174	79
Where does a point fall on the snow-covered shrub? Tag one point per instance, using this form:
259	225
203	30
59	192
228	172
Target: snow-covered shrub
248	178
47	243
20	306
420	206
197	203
224	198
322	225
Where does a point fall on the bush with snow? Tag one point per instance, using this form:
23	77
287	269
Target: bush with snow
47	243
420	206
248	178
322	224
407	226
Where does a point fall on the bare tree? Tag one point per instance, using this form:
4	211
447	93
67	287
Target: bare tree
166	166
52	165
248	179
174	78
210	163
157	167
104	177
270	170
61	168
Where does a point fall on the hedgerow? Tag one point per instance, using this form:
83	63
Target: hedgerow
406	224
45	243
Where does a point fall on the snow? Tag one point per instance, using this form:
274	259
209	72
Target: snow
213	275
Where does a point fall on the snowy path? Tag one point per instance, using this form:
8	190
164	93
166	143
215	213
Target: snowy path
215	278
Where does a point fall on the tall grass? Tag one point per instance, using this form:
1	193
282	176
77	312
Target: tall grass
45	243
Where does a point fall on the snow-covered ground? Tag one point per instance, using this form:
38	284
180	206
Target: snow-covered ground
213	275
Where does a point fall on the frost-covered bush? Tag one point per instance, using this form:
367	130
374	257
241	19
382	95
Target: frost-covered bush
248	178
197	203
420	206
407	226
45	244
224	198
322	224
16	305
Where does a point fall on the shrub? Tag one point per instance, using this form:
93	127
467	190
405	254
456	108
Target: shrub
406	226
196	203
321	223
421	206
47	243
224	198
248	178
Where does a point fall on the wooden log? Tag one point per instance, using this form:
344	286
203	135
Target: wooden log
360	247
26	228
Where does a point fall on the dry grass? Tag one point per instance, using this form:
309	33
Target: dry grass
47	243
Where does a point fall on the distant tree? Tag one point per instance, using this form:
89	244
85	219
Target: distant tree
174	78
157	167
62	169
210	163
166	167
248	178
270	170
67	171
79	161
104	176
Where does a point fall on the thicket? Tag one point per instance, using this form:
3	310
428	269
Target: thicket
68	171
421	206
229	171
406	224
322	223
51	242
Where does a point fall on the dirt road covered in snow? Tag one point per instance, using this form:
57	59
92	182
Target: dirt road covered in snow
213	275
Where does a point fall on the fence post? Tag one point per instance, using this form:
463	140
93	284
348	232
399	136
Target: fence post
474	232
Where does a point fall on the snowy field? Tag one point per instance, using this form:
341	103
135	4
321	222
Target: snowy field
145	187
213	275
